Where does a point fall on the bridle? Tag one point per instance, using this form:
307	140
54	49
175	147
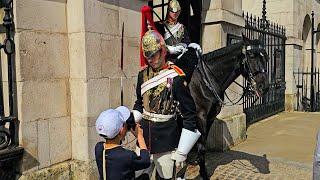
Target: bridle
203	66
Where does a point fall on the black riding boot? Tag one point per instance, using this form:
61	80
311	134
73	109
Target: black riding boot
160	178
143	177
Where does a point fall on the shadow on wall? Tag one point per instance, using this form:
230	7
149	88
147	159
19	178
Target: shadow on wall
29	161
220	138
205	8
127	4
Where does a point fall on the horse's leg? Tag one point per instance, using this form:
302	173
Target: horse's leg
202	161
205	125
201	145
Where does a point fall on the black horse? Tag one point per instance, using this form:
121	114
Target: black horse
214	73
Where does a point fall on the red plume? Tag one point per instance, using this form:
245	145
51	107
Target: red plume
146	15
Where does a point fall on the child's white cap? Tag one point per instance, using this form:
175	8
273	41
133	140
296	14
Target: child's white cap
110	121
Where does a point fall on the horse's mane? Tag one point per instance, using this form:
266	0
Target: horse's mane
217	54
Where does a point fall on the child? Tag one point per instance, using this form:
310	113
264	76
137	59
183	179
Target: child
113	161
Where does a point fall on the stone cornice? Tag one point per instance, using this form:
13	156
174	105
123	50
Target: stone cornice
217	16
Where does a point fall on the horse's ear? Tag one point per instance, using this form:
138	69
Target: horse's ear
245	39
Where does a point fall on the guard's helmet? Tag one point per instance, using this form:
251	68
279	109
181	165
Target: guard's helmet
152	42
174	6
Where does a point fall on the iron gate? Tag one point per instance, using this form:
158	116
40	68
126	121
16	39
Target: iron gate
302	80
274	39
10	152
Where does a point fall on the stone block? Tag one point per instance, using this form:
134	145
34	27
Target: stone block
111	52
93	138
38	99
104	51
98	91
94	52
75	16
290	102
44	143
29	141
221	15
226	133
234	6
38	15
131	62
42	56
78	98
214	42
101	17
129	91
58	172
79	139
77	55
129	19
128	5
84	170
115	94
60	139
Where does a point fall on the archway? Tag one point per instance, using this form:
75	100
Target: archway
306	49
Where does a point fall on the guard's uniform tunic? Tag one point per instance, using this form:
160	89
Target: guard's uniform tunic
158	106
178	30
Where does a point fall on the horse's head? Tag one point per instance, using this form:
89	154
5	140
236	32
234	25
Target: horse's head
254	67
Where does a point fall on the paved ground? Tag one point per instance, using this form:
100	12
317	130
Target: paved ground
280	147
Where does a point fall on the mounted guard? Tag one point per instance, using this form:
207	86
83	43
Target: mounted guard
161	92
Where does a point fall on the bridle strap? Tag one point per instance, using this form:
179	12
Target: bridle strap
207	81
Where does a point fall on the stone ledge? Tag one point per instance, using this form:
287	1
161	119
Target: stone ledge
227	132
72	169
220	15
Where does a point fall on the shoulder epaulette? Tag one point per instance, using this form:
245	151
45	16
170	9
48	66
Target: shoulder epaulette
178	70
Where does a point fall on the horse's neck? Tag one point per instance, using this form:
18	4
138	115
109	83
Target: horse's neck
226	67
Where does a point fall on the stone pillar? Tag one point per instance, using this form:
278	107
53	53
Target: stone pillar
42	73
95	37
220	18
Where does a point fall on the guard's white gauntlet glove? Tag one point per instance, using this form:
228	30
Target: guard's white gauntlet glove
196	47
175	49
187	140
178	156
137	115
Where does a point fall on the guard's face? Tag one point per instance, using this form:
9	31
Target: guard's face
156	61
174	15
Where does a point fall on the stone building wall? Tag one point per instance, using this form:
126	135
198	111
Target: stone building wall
42	66
68	71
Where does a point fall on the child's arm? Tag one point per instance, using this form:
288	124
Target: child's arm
140	138
142	161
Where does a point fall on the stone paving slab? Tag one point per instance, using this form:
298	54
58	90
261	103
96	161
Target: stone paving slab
279	147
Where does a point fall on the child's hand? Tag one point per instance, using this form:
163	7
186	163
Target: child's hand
140	138
139	130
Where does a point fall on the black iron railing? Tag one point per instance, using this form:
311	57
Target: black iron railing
303	84
274	38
